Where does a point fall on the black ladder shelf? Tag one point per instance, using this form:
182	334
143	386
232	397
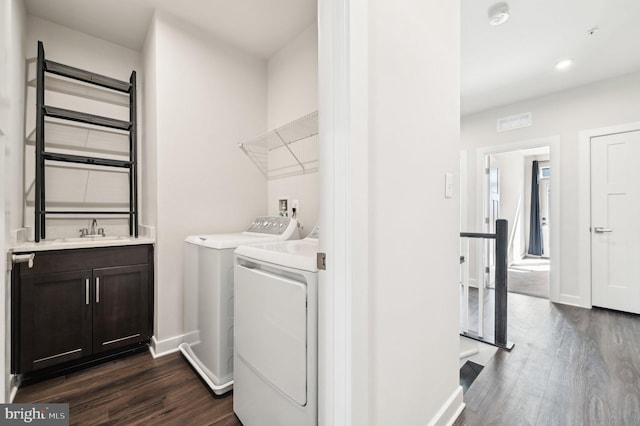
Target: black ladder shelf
43	111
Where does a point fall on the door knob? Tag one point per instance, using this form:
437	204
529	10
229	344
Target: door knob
601	230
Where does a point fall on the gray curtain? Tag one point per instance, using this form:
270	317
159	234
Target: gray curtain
535	226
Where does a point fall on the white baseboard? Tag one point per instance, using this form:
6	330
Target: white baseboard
13	389
191	338
164	347
568	299
449	412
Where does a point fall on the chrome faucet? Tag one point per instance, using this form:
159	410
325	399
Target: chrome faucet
93	230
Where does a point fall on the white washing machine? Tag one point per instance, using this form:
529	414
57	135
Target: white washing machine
208	296
276	333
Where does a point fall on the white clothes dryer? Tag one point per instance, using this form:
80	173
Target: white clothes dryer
276	333
208	296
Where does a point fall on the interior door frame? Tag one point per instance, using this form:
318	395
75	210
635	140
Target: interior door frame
584	206
343	293
545	240
493	215
5	330
553	142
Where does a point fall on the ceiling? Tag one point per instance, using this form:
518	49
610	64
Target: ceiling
499	65
515	61
259	27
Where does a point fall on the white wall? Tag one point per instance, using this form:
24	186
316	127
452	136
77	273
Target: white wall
292	92
389	128
148	150
12	38
15	92
512	198
413	264
71	184
563	114
208	97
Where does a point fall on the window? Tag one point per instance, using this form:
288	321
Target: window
545	172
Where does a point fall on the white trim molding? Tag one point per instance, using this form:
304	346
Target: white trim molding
553	142
584	203
159	348
449	412
343	317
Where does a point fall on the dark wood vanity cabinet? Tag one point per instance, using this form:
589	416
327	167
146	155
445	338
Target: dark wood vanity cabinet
54	324
120	306
76	305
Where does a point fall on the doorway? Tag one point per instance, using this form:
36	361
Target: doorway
509	182
544	197
519	193
608	245
588	221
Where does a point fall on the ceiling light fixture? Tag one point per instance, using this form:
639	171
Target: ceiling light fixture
563	65
498	14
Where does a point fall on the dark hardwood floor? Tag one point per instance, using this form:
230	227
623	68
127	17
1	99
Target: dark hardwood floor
136	390
569	366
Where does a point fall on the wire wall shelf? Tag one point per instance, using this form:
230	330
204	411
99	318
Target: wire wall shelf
289	150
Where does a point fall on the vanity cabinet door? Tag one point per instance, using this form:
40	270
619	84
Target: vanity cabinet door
55	319
121	306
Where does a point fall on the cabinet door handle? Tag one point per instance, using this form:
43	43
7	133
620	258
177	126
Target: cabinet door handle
97	290
86	291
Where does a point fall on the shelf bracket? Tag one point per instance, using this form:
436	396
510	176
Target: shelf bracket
286	145
258	165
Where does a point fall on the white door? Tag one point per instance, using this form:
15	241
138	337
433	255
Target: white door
544	197
615	221
494	214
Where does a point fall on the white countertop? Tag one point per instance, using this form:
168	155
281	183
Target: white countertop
77	243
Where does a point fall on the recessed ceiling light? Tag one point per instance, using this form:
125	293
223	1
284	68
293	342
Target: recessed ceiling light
564	64
498	14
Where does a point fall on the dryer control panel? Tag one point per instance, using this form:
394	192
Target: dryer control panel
272	225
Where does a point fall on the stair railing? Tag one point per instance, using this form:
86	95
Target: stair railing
501	238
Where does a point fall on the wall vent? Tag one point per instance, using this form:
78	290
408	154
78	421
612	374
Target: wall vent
514	122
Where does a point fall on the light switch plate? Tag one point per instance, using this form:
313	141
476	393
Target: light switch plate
448	185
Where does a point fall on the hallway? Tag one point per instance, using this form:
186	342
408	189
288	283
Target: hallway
569	366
